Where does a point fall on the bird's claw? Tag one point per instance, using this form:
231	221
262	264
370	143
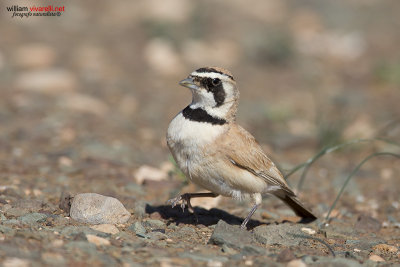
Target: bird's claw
182	199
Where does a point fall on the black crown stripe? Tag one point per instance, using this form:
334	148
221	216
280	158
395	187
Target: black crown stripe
210	70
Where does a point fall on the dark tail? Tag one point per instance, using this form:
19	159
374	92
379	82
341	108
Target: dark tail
294	203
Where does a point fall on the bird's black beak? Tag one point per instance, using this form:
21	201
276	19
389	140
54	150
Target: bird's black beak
189	83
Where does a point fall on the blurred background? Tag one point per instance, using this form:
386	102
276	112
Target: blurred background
86	97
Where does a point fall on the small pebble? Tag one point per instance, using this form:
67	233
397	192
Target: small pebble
49	81
15	262
106	228
32	218
98	241
367	223
226	249
155	224
374	257
137	228
57	243
249	263
214	264
34	55
51	257
84	104
385	248
156	236
296	263
206	202
286	255
146	172
308	230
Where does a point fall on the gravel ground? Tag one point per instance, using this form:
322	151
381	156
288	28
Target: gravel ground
86	99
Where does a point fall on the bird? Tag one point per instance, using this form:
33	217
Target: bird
217	154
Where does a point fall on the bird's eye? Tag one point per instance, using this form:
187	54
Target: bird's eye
216	81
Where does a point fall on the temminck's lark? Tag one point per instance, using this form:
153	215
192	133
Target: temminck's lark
219	155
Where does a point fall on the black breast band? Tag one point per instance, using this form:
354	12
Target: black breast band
200	115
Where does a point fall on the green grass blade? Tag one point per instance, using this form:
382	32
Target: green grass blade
355	170
326	150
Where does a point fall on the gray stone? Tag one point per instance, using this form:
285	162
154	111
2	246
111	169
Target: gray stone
156	236
339	231
201	257
137	228
53	259
252	250
12	222
98	209
32	218
364	244
140	209
30	204
286	255
11	192
6	230
184	232
86	247
65	202
154	224
330	261
73	231
16	212
281	234
230	235
367	224
27	233
228	250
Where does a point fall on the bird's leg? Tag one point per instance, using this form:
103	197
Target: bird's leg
257	199
253	209
185	199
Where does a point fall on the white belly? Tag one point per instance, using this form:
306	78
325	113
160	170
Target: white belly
188	141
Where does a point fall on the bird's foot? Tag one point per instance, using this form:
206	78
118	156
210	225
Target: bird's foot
183	200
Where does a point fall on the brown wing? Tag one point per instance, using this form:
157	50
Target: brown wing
243	151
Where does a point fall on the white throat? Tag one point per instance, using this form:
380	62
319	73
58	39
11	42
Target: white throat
220	112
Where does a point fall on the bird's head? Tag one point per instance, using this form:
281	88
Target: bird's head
214	90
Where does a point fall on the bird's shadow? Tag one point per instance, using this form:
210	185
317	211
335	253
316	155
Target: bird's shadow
201	217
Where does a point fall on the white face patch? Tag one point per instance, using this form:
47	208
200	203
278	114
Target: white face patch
206	100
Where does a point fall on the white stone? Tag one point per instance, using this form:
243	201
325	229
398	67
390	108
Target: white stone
146	172
15	262
50	81
374	257
162	57
172	10
98	241
296	263
206	202
34	55
93	208
308	230
83	103
106	228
